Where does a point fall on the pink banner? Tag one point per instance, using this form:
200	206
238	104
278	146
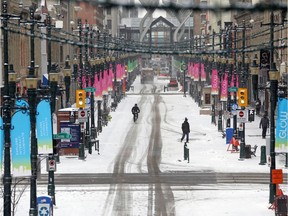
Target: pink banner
224	88
98	93
232	80
84	81
196	72
203	74
214	82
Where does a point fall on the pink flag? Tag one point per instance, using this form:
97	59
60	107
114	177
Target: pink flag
224	88
214	82
84	81
98	93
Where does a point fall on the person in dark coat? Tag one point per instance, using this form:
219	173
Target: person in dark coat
264	123
185	130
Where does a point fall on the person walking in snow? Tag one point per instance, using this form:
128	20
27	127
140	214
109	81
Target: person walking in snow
185	130
264	123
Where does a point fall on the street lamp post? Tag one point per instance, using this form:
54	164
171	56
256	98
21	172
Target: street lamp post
31	82
273	76
93	129
87	74
6	118
67	80
53	81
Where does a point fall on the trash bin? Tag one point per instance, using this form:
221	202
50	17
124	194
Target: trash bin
247	151
229	134
281	205
45	206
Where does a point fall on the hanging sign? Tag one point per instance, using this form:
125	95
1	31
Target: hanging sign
20	144
281	144
44	127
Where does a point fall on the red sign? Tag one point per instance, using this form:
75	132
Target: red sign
241	114
82	113
277	176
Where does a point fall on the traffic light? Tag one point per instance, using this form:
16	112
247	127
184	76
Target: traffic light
242	97
80	98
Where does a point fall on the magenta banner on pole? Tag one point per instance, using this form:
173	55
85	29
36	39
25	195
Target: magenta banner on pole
224	88
98	93
214	82
203	74
84	81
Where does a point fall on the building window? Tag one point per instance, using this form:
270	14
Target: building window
109	24
108	11
203	18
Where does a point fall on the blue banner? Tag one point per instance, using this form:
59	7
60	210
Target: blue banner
20	144
44	127
1	143
281	137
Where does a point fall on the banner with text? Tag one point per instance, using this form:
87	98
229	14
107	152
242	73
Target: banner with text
44	127
281	144
20	144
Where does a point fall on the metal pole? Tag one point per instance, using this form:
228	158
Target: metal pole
242	143
273	102
81	144
221	74
234	83
32	106
6	118
213	120
53	89
87	75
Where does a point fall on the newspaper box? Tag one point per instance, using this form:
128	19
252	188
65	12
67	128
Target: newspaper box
45	206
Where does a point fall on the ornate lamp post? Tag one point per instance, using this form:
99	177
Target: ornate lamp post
31	83
67	80
53	81
93	129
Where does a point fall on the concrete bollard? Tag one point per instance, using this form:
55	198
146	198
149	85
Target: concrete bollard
263	160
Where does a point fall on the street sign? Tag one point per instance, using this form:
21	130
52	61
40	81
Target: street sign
234	106
51	165
90	89
82	116
233	89
62	136
277	176
241	116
